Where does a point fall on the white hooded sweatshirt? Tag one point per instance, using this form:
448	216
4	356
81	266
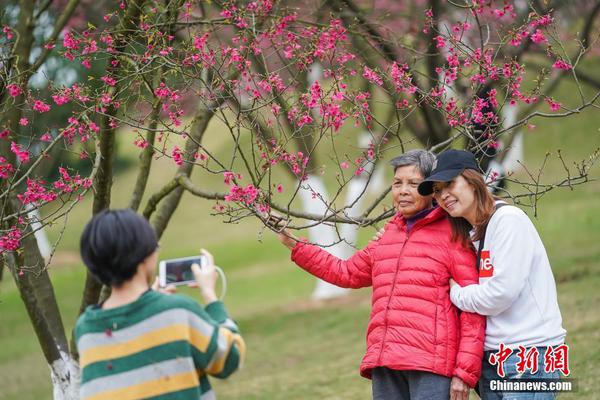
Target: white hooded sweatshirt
516	288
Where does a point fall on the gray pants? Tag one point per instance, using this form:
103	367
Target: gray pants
389	384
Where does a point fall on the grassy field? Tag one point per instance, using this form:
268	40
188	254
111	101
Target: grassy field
299	349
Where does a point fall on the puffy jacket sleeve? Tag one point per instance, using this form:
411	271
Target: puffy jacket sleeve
472	326
354	272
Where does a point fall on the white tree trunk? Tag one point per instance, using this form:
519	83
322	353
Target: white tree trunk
326	234
39	232
64	374
322	234
514	153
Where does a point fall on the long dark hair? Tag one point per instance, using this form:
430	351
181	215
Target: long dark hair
485	204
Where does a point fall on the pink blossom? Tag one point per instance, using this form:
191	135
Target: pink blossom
141	143
11	241
4	134
440	42
247	195
40	106
279	188
304	120
46	137
538	37
371	76
8	32
345	164
177	155
109	80
429	13
561	64
229	177
36	192
22	155
70	42
14	90
61	98
6	169
554	105
23	121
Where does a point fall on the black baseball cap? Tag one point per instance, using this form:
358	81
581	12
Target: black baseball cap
448	165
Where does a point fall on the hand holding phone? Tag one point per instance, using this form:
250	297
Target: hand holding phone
205	277
199	271
178	271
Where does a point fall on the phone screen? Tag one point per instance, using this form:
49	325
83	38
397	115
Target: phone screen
179	271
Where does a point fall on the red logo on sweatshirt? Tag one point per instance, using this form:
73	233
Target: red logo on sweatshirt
486	269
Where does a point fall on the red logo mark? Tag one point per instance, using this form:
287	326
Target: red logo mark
486	269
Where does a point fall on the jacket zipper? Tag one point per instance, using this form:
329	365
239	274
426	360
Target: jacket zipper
387	306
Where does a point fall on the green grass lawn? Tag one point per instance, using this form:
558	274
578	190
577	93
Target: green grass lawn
299	349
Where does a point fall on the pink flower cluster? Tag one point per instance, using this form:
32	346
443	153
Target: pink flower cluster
11	241
371	76
40	106
554	105
14	90
69	184
329	40
177	155
561	64
247	195
22	154
83	129
6	169
36	192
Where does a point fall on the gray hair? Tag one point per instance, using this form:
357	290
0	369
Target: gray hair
422	159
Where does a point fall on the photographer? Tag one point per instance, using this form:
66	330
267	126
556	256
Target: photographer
142	343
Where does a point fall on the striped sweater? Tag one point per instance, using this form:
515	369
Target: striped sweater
158	347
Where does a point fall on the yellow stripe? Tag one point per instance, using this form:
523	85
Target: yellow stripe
146	341
241	345
152	388
218	364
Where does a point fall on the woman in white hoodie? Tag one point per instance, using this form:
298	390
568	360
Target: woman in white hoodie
516	290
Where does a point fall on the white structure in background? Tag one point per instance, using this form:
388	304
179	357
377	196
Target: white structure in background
514	154
314	197
43	243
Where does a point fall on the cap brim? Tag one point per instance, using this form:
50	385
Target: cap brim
426	187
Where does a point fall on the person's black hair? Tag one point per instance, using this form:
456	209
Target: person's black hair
114	243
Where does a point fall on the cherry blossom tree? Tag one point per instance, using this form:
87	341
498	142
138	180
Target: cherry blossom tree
317	95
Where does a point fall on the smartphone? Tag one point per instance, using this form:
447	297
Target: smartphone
178	271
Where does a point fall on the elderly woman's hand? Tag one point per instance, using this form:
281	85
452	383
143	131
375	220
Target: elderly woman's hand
287	239
453	283
278	224
459	390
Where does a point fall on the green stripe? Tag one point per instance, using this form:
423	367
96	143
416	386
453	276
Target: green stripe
217	311
191	393
231	363
153	355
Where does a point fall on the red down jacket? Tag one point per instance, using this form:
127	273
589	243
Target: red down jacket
413	324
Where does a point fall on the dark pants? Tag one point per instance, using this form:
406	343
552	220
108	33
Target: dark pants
389	384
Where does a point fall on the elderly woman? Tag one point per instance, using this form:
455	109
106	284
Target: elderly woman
419	346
